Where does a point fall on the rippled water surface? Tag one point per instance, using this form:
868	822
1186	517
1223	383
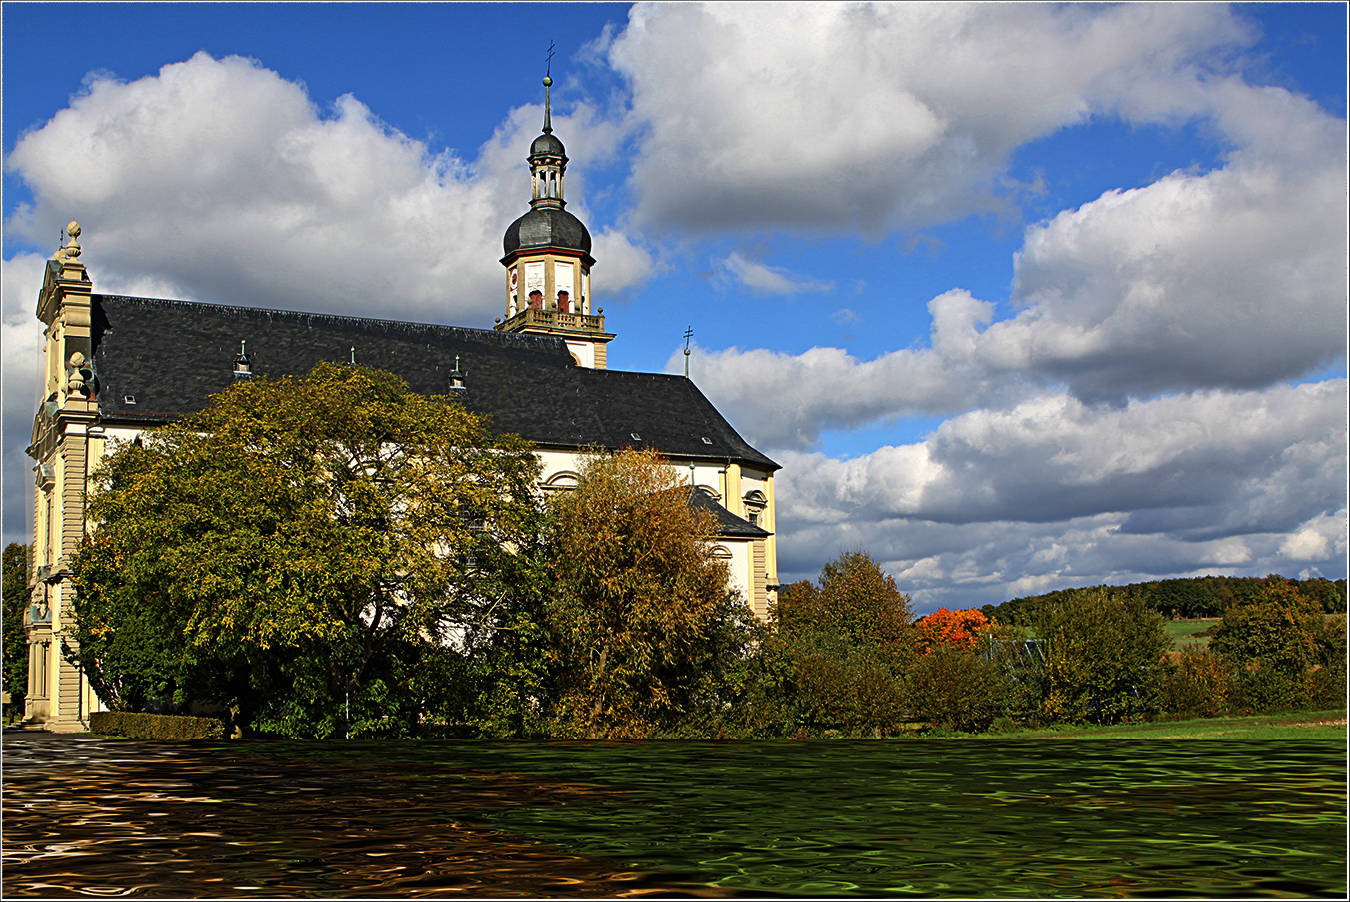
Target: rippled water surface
105	817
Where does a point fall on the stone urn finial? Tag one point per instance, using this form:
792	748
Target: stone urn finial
72	249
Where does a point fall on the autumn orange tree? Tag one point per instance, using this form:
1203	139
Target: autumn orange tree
641	619
952	629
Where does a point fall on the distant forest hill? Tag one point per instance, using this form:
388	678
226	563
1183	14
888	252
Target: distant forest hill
1191	598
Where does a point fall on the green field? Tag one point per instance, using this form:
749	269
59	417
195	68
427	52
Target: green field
1182	633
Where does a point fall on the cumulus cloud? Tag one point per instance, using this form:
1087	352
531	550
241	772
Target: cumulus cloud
787	401
1053	492
21	338
1052	458
180	176
763	279
1232	279
622	264
883	116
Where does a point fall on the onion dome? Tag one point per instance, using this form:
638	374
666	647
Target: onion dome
546	227
547	143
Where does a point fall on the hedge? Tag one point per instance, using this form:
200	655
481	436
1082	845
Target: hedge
154	726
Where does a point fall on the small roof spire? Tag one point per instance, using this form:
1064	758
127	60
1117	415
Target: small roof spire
548	83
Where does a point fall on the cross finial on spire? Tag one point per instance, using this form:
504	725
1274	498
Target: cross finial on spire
548	83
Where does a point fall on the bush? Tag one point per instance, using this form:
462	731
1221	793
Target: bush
836	655
1102	652
850	690
956	688
1261	689
154	726
1197	685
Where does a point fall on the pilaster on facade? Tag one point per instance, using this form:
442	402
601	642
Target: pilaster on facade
59	695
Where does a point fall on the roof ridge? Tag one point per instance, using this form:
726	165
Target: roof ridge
331	317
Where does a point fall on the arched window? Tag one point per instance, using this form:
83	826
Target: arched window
562	481
755	502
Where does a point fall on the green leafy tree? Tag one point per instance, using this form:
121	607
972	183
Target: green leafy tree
16	642
839	652
1273	646
310	553
643	626
1102	656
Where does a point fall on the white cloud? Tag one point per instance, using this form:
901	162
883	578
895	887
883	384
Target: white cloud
763	279
621	264
786	401
1275	458
883	116
1051	492
21	338
178	177
1320	538
1232	279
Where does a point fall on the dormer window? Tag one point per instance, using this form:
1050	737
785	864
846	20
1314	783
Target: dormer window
242	367
129	400
457	377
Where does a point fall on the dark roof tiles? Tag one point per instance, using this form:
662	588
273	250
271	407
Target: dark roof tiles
172	355
728	524
546	227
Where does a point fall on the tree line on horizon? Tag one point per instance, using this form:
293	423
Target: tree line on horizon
335	556
1185	598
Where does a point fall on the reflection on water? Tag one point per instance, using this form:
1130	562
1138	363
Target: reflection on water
86	816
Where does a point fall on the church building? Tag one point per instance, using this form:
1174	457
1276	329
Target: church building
116	366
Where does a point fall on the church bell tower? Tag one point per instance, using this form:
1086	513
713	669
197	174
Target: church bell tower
548	259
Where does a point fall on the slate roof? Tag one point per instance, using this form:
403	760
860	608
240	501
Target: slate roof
171	355
728	524
546	227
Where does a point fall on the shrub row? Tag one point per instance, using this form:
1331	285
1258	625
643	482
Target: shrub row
154	726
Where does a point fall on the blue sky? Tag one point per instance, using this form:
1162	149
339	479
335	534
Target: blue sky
1022	297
